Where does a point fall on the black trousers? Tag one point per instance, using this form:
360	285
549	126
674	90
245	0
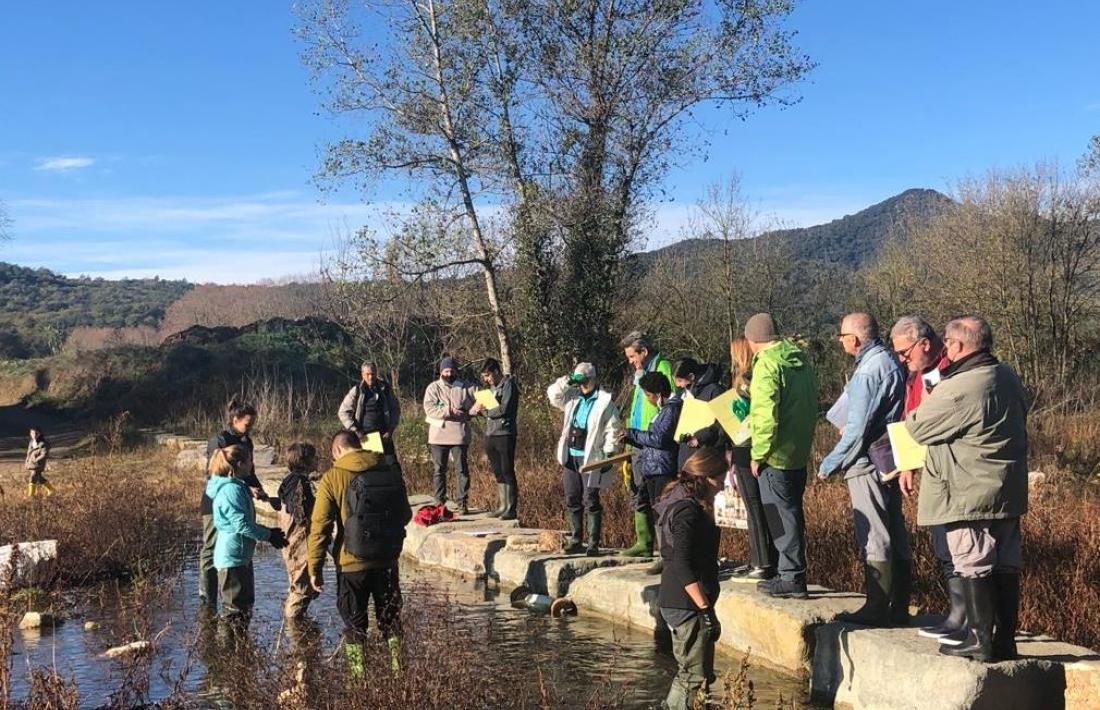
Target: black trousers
761	547
655	486
501	451
354	592
578	497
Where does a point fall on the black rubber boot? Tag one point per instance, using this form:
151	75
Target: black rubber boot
899	595
979	613
595	527
511	502
877	585
573	544
956	615
1006	588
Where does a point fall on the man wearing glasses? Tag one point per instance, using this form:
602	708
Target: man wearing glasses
922	352
974	424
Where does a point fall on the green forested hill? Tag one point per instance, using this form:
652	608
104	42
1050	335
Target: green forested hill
38	308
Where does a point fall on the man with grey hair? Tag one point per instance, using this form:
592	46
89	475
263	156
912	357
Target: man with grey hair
974	424
875	394
921	351
643	357
371	406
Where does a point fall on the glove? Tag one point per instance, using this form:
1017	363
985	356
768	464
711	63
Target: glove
278	538
628	474
275	503
711	625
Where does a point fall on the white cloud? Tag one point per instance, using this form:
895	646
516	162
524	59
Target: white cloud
64	164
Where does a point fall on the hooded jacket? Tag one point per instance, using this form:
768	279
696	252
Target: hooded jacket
707	386
331	509
659	450
876	396
225	439
974	424
782	406
235	520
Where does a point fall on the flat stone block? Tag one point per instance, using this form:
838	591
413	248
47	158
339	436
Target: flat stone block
625	594
547	573
462	552
895	668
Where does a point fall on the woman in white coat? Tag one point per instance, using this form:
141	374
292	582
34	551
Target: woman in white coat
590	432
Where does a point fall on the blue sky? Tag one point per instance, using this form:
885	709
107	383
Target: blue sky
180	139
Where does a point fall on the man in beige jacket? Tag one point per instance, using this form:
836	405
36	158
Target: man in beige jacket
974	424
448	406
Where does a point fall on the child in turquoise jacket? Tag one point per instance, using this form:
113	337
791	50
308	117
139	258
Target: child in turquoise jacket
235	520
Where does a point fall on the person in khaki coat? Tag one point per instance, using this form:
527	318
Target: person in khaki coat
974	424
448	406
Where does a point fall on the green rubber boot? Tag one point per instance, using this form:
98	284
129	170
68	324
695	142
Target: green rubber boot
643	544
394	643
353	652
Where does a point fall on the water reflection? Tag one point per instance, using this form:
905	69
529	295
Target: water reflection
574	656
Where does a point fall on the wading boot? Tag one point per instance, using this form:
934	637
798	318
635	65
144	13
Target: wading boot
573	544
32	489
394	642
954	625
643	543
899	595
595	527
979	613
658	565
877	585
353	652
500	503
511	502
1006	588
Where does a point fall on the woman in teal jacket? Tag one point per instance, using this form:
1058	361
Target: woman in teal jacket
235	520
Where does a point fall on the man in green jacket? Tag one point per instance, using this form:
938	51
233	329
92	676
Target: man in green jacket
782	415
377	533
642	355
974	424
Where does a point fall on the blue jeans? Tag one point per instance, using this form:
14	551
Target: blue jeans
781	492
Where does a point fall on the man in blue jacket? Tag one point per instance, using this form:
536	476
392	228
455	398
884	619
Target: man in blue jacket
876	397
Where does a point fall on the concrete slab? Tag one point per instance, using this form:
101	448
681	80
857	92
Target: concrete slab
895	668
548	573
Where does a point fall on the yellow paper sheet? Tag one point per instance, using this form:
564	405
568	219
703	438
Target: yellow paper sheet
373	442
908	454
694	415
722	409
486	399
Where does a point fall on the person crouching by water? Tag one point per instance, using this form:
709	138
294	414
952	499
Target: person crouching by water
689	582
297	497
656	461
235	520
364	495
38	455
590	432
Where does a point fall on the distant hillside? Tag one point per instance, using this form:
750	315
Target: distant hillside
848	242
39	308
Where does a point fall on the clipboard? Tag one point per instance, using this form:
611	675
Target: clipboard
486	399
373	442
609	461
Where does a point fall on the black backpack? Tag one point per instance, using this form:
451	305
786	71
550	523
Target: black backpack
376	502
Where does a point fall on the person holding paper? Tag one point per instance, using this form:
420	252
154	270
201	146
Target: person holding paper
500	436
590	432
371	406
641	354
656	461
762	552
702	382
448	405
974	424
923	354
876	395
783	416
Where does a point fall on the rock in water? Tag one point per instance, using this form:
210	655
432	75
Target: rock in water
128	649
36	620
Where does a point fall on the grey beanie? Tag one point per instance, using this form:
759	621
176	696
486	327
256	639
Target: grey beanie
761	329
448	363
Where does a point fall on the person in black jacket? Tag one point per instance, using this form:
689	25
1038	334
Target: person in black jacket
701	381
296	496
500	436
241	418
689	582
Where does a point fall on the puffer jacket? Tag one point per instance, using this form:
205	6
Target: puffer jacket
235	520
974	424
876	396
782	406
659	449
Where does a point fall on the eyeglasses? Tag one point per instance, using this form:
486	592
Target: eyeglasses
903	355
842	336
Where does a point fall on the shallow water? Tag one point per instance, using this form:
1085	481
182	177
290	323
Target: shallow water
575	655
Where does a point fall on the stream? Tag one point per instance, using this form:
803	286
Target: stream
577	653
